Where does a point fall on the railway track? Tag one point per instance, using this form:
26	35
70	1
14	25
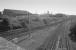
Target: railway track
62	45
56	44
67	44
9	35
50	42
50	45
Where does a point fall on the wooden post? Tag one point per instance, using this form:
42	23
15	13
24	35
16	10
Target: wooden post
29	21
10	24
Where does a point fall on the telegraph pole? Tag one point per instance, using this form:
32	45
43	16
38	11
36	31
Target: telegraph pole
28	21
29	26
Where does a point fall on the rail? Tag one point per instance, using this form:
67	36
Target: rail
61	46
9	35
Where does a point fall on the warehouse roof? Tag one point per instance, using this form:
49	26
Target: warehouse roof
15	12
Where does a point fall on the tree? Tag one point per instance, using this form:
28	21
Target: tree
72	34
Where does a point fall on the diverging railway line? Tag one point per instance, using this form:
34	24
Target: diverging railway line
9	35
57	41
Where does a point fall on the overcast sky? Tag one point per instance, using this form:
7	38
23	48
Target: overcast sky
41	6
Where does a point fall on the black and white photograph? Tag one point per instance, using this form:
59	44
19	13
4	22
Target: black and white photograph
37	25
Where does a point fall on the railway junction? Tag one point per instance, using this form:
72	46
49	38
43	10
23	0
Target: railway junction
54	37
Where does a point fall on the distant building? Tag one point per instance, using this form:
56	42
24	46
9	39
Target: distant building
14	13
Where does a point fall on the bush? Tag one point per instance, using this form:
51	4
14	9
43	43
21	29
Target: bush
4	25
45	21
72	34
